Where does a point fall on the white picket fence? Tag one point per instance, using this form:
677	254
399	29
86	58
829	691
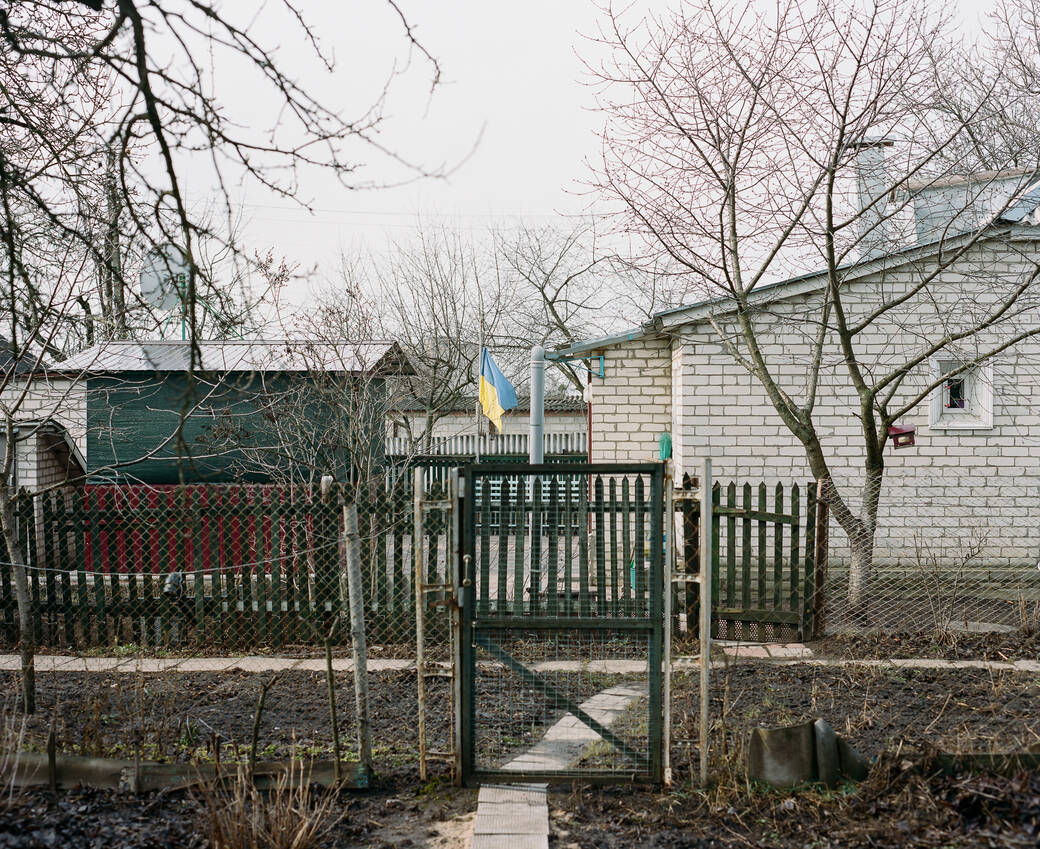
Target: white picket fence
511	443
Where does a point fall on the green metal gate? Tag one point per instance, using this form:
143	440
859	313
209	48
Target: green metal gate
561	643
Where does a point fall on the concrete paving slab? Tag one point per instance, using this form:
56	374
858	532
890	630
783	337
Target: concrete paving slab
509	841
616	667
789	650
527	819
511	795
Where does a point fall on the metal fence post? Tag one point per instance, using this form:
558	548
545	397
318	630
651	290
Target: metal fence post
669	568
820	562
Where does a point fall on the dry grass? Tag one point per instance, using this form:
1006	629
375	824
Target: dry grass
289	816
12	737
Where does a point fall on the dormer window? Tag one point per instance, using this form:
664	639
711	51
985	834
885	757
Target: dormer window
964	397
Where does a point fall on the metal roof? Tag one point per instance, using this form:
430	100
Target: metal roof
231	356
1025	210
25	363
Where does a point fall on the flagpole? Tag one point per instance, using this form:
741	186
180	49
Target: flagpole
480	363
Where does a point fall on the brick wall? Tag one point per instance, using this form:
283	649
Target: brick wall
632	406
953	490
49	397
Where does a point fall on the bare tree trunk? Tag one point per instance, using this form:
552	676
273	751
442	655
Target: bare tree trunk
26	643
861	570
860	527
428	432
113	270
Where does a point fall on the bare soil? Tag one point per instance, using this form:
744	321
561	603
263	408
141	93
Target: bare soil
180	716
899	805
905	713
396	814
1000	646
875	708
896	717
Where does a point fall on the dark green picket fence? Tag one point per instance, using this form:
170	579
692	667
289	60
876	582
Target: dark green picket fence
764	567
260	566
257	565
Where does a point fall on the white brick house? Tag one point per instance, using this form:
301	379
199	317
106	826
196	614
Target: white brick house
973	477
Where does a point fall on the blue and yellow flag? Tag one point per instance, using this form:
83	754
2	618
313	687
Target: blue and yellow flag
496	393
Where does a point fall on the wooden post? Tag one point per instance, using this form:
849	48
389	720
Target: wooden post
357	633
705	610
820	562
418	493
330	682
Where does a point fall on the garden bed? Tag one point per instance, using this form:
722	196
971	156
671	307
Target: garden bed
394	815
955	645
875	708
897	806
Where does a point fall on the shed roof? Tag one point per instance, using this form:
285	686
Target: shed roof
283	355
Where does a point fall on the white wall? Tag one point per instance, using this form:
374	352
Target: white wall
940	496
49	397
632	405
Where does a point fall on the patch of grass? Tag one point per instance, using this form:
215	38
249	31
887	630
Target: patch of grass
289	816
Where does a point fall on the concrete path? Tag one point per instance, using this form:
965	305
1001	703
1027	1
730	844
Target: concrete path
511	816
771	653
516	816
267	663
564	742
787	653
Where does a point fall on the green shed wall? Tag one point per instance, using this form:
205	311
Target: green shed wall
129	415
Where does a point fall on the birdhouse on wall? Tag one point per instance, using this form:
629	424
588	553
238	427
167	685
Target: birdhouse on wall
902	436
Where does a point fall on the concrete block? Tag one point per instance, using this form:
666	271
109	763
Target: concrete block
828	765
784	756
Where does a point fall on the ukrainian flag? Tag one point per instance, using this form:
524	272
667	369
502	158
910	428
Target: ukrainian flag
496	393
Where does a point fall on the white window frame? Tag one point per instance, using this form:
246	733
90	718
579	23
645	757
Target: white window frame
978	386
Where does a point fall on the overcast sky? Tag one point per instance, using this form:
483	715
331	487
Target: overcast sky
513	111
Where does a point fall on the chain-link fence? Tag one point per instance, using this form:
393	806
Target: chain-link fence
213	569
212	623
938	558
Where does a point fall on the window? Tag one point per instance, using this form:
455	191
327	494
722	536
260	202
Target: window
955	393
964	398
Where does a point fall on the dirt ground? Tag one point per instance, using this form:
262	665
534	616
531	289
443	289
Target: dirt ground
184	716
394	815
906	713
1001	646
178	716
898	806
896	717
875	708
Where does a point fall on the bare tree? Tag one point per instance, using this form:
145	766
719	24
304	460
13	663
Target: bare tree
737	144
569	284
104	105
324	417
439	298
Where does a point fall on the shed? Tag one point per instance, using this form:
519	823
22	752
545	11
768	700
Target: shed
167	412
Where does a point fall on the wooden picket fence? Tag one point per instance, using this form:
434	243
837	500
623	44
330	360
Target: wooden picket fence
259	566
768	557
256	565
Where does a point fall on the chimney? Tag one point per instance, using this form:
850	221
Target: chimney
872	227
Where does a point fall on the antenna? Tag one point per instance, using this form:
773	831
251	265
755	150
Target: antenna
164	277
